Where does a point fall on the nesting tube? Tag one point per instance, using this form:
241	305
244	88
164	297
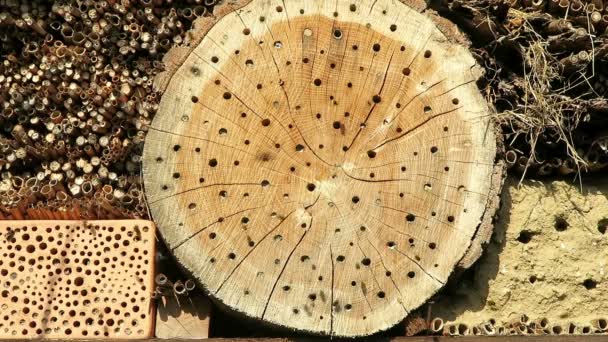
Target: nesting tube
600	325
557	329
162	280
437	325
576	7
488	329
190	285
179	288
463	329
452	330
511	158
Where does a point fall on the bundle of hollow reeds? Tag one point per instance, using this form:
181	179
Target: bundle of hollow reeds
546	64
76	94
522	325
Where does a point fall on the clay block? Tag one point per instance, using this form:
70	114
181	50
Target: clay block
76	279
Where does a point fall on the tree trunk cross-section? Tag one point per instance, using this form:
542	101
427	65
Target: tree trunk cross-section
321	165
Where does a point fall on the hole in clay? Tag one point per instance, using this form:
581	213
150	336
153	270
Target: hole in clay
176	148
434	149
406	71
246	31
353	7
561	224
227	96
192	206
525	236
411	274
337	125
602	225
194	99
366	261
311	187
590	284
410	217
393	28
214	59
371	154
377	99
299	148
381	294
213	162
317	82
532	279
376	47
355	199
337	34
340	258
266	122
279	9
432	245
455	101
427	54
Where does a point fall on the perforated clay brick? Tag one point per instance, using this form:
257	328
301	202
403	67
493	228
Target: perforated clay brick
76	279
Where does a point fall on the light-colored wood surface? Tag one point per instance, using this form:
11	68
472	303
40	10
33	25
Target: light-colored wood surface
321	165
76	279
183	317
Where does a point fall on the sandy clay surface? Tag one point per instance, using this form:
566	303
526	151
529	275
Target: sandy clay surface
548	258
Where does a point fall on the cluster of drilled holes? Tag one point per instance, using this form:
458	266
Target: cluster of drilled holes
339	123
65	279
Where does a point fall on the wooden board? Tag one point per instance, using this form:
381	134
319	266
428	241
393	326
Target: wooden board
76	279
183	317
321	165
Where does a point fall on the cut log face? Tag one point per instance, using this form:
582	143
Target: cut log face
321	165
